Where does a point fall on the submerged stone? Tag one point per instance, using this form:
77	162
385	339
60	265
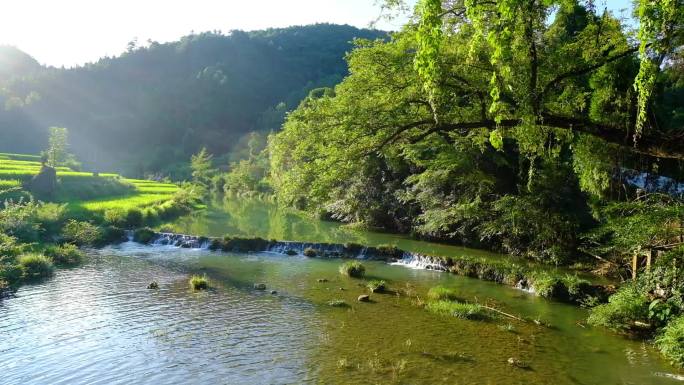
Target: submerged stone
518	363
260	286
321	280
274	292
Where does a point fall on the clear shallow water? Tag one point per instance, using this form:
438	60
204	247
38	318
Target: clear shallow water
98	324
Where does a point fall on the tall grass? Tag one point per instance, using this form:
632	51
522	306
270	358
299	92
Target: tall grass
353	269
36	265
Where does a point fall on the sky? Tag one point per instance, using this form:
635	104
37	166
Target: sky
74	32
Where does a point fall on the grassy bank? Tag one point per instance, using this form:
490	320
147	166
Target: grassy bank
87	209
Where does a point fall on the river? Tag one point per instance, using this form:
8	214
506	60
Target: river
99	324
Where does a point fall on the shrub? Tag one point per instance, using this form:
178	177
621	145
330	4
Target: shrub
115	217
81	233
310	252
112	234
9	246
377	286
353	269
458	309
547	285
441	293
199	282
577	287
144	235
629	304
670	341
51	217
64	255
134	218
36	265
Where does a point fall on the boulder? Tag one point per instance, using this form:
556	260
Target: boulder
259	286
364	298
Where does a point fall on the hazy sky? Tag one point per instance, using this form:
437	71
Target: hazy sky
69	32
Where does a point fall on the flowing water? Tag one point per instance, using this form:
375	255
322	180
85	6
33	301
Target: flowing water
99	324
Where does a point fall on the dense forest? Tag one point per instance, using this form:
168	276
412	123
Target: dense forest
148	110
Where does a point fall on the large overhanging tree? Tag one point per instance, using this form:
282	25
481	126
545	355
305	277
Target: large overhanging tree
503	66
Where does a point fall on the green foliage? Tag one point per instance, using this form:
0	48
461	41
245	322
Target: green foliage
441	293
36	265
353	269
81	233
377	286
201	165
64	255
670	341
144	235
134	217
625	307
57	145
458	309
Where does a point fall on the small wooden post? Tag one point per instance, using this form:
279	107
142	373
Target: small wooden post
634	265
649	257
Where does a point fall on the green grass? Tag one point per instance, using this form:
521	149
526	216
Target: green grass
377	286
353	269
36	265
458	309
199	282
85	193
441	293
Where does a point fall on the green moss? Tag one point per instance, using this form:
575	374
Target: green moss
353	269
458	309
199	282
36	265
441	293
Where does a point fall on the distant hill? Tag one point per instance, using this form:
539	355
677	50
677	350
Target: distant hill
154	106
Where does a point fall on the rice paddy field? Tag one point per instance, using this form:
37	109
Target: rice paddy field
83	192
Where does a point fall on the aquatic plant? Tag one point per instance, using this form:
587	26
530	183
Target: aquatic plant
153	285
458	309
376	286
338	303
670	341
441	293
199	282
64	255
36	265
353	269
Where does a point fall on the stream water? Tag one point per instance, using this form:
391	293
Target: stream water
99	324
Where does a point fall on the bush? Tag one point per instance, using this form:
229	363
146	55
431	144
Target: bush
377	286
144	235
112	234
81	233
199	282
547	285
64	255
458	309
353	269
441	293
670	341
115	217
36	265
134	218
625	307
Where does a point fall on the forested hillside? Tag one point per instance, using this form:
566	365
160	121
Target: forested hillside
153	106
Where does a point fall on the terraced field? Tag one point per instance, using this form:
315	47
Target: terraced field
83	191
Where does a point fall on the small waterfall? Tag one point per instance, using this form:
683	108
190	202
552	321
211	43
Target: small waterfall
423	262
180	240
